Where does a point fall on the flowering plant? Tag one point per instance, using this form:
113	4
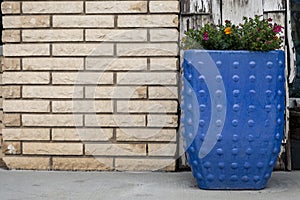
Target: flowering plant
254	34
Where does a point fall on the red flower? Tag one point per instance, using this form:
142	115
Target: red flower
205	36
277	28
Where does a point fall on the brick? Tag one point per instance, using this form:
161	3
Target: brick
26	78
164	64
167	149
153	78
11	120
147	106
10	7
63	120
76	49
146	134
164	35
116	7
82	134
167	92
116	149
148	49
86	106
52	92
26	134
54	35
11	36
26	106
116	120
10	64
92	78
52	7
35	148
116	64
26	50
28	21
53	63
162	121
11	91
84	21
82	164
164	6
11	148
116	92
114	35
149	164
36	163
139	21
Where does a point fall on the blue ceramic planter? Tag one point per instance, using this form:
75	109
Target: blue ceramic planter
232	116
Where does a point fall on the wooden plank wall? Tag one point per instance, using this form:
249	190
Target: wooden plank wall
198	12
234	10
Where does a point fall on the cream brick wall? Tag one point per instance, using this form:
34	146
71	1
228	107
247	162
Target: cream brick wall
90	85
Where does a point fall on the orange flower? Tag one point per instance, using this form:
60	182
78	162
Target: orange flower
227	30
276	38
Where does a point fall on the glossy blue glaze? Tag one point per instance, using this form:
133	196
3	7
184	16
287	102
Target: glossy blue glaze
232	116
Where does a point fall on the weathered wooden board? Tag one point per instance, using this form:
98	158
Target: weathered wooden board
216	11
278	17
195	13
286	164
196	6
193	21
291	60
290	46
273	5
234	10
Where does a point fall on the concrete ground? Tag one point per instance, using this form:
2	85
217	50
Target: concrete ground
37	185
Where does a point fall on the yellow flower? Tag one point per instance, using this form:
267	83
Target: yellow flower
227	30
276	38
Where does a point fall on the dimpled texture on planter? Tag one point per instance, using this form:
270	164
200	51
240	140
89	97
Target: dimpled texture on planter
232	116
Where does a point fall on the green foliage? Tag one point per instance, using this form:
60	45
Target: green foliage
254	34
